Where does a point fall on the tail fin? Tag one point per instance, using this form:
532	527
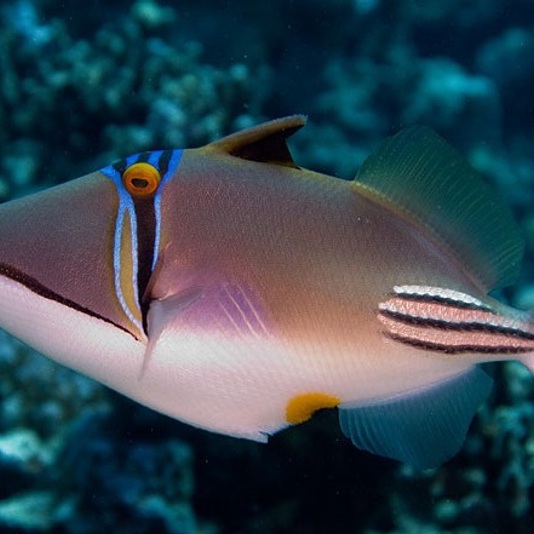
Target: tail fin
528	361
527	358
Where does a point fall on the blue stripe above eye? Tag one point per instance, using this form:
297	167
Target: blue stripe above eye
155	156
166	162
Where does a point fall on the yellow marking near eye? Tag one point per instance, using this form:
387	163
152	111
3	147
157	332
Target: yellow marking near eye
141	180
301	407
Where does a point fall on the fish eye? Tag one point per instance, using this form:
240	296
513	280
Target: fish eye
141	180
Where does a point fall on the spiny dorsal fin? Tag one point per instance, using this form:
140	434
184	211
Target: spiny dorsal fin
420	174
265	143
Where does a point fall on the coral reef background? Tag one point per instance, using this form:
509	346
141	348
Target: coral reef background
83	84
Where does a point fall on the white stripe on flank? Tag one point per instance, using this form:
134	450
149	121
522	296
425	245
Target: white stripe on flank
450	321
449	314
439	292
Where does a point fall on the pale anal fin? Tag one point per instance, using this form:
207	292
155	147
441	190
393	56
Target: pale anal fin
423	427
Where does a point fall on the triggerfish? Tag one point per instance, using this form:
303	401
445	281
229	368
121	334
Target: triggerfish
229	288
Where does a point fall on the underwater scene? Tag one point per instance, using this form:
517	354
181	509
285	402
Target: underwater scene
84	84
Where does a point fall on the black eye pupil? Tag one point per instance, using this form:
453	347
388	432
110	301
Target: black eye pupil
139	183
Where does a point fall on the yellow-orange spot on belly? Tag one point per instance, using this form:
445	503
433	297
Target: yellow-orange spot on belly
301	407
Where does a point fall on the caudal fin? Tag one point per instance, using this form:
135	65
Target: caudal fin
528	361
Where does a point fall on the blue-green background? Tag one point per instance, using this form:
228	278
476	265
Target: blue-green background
84	83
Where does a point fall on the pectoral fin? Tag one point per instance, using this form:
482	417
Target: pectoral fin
225	310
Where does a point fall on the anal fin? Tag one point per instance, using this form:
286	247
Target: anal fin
423	427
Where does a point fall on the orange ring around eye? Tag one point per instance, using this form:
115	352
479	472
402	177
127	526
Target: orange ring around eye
141	180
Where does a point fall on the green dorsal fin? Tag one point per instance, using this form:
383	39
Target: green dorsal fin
420	174
265	143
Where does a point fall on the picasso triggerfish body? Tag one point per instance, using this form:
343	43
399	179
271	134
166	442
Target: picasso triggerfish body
233	290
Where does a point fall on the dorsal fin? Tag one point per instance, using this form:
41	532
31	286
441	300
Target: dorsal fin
265	143
420	174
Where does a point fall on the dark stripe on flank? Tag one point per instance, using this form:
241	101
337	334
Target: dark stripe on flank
459	326
438	299
39	289
457	349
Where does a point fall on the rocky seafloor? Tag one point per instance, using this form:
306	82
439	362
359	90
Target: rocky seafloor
84	84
